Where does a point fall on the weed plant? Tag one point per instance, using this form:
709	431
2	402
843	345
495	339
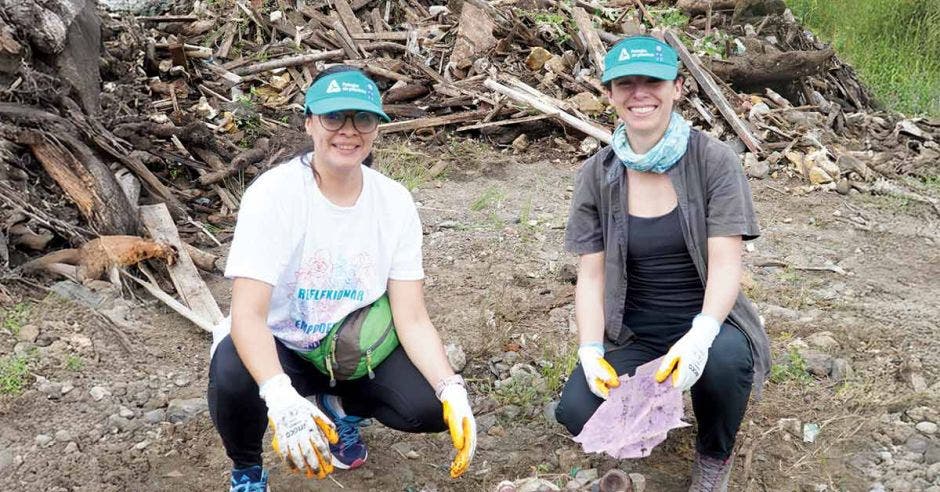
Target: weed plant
893	44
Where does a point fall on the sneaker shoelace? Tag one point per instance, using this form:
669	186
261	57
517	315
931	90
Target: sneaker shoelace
712	472
247	485
348	430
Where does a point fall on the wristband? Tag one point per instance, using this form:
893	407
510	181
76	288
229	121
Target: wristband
599	346
447	381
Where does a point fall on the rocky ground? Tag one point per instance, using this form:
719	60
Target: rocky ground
848	285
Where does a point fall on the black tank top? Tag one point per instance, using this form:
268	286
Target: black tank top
660	274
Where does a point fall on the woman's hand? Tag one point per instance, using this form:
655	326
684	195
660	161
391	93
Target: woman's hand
687	358
302	433
462	425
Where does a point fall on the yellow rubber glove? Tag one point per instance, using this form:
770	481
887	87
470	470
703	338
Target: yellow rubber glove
687	358
598	372
302	433
462	425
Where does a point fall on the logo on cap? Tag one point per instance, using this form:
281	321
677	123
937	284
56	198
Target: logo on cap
333	87
624	55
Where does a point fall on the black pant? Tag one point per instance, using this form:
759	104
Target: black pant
398	397
719	397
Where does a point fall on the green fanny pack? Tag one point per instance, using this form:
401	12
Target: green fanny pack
357	343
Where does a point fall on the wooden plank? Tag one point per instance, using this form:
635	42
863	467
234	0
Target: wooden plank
172	303
590	39
346	14
542	105
513	121
401	126
713	92
185	276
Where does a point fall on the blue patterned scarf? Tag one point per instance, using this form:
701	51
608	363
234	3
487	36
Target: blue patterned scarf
665	154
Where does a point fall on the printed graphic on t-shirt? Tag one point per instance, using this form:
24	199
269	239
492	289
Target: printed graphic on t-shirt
326	287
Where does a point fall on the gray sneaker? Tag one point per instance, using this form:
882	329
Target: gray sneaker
710	474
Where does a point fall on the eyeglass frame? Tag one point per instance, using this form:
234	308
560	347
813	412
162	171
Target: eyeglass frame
350	115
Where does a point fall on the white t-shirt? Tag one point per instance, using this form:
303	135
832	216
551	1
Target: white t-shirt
323	260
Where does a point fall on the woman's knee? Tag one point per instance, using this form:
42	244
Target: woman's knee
577	403
729	359
227	374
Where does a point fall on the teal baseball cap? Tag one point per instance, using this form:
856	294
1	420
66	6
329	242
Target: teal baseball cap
641	55
344	91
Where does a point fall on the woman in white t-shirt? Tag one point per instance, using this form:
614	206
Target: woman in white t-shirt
317	238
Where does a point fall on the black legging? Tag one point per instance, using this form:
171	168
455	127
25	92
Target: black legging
398	397
719	398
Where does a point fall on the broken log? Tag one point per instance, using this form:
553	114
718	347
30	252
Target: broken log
697	7
100	255
590	39
402	126
186	279
548	108
763	68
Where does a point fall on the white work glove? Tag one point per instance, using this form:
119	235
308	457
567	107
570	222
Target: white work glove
687	357
459	419
598	372
302	433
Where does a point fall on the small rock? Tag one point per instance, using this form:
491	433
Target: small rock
6	460
841	370
510	412
63	435
570	459
817	363
99	392
587	103
589	146
448	224
818	176
521	142
548	411
67	387
911	372
402	448
44	440
28	333
585	476
181	410
71	447
759	169
456	356
52	390
823	340
125	412
928	428
932	455
155	416
522	372
141	445
122	424
496	431
534	484
556	64
843	186
537	58
792	426
510	358
484	422
917	444
181	381
639	482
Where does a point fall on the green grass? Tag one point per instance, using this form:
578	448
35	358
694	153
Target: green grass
399	162
893	44
794	369
490	196
14	317
74	363
13	372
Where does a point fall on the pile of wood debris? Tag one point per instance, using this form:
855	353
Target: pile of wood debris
182	108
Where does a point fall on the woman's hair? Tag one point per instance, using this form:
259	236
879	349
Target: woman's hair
306	149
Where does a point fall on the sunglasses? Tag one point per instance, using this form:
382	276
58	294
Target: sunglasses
363	121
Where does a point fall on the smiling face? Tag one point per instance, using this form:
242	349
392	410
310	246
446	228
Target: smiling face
341	150
643	103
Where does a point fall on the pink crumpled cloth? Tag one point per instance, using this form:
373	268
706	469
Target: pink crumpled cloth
636	416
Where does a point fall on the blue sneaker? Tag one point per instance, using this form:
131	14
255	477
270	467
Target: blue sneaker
350	452
251	479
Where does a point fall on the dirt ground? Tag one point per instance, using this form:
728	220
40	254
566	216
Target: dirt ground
864	269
